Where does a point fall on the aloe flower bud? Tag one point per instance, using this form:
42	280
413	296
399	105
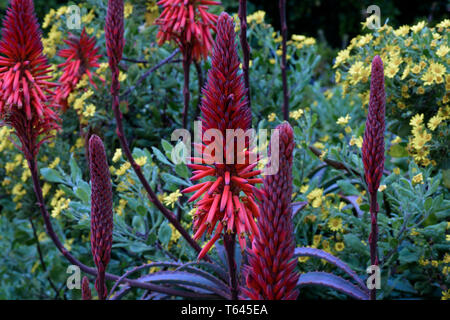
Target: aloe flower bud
270	273
101	211
373	150
85	290
224	106
114	30
373	143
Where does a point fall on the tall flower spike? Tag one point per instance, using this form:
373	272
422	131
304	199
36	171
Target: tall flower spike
114	40
189	24
224	106
24	70
373	150
270	273
81	58
101	211
85	290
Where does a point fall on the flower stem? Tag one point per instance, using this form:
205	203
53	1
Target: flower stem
245	46
282	6
187	60
230	244
373	238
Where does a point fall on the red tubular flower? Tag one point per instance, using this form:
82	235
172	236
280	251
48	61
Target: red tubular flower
224	106
101	211
114	40
81	58
189	24
85	290
24	70
373	150
270	274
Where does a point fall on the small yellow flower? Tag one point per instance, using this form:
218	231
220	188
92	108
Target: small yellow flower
54	163
396	170
141	161
343	120
418	178
296	114
434	122
89	111
339	246
335	224
123	168
127	9
117	155
271	117
382	187
172	198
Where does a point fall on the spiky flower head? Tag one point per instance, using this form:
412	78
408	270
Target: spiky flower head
25	92
224	107
114	30
270	273
373	142
101	211
81	59
189	24
85	290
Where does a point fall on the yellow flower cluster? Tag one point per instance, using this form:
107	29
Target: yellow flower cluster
172	198
316	197
257	17
59	203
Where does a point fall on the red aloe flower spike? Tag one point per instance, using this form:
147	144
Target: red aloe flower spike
101	211
85	290
81	58
114	30
373	150
24	70
224	106
189	24
270	273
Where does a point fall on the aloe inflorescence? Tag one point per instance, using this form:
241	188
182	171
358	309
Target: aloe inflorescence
224	106
373	150
101	211
270	274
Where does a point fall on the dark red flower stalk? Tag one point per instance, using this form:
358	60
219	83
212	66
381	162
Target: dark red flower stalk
114	40
24	70
373	150
81	58
189	24
270	273
101	211
224	106
85	290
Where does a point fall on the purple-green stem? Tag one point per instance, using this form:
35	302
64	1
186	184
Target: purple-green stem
373	238
230	244
187	60
245	46
282	7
